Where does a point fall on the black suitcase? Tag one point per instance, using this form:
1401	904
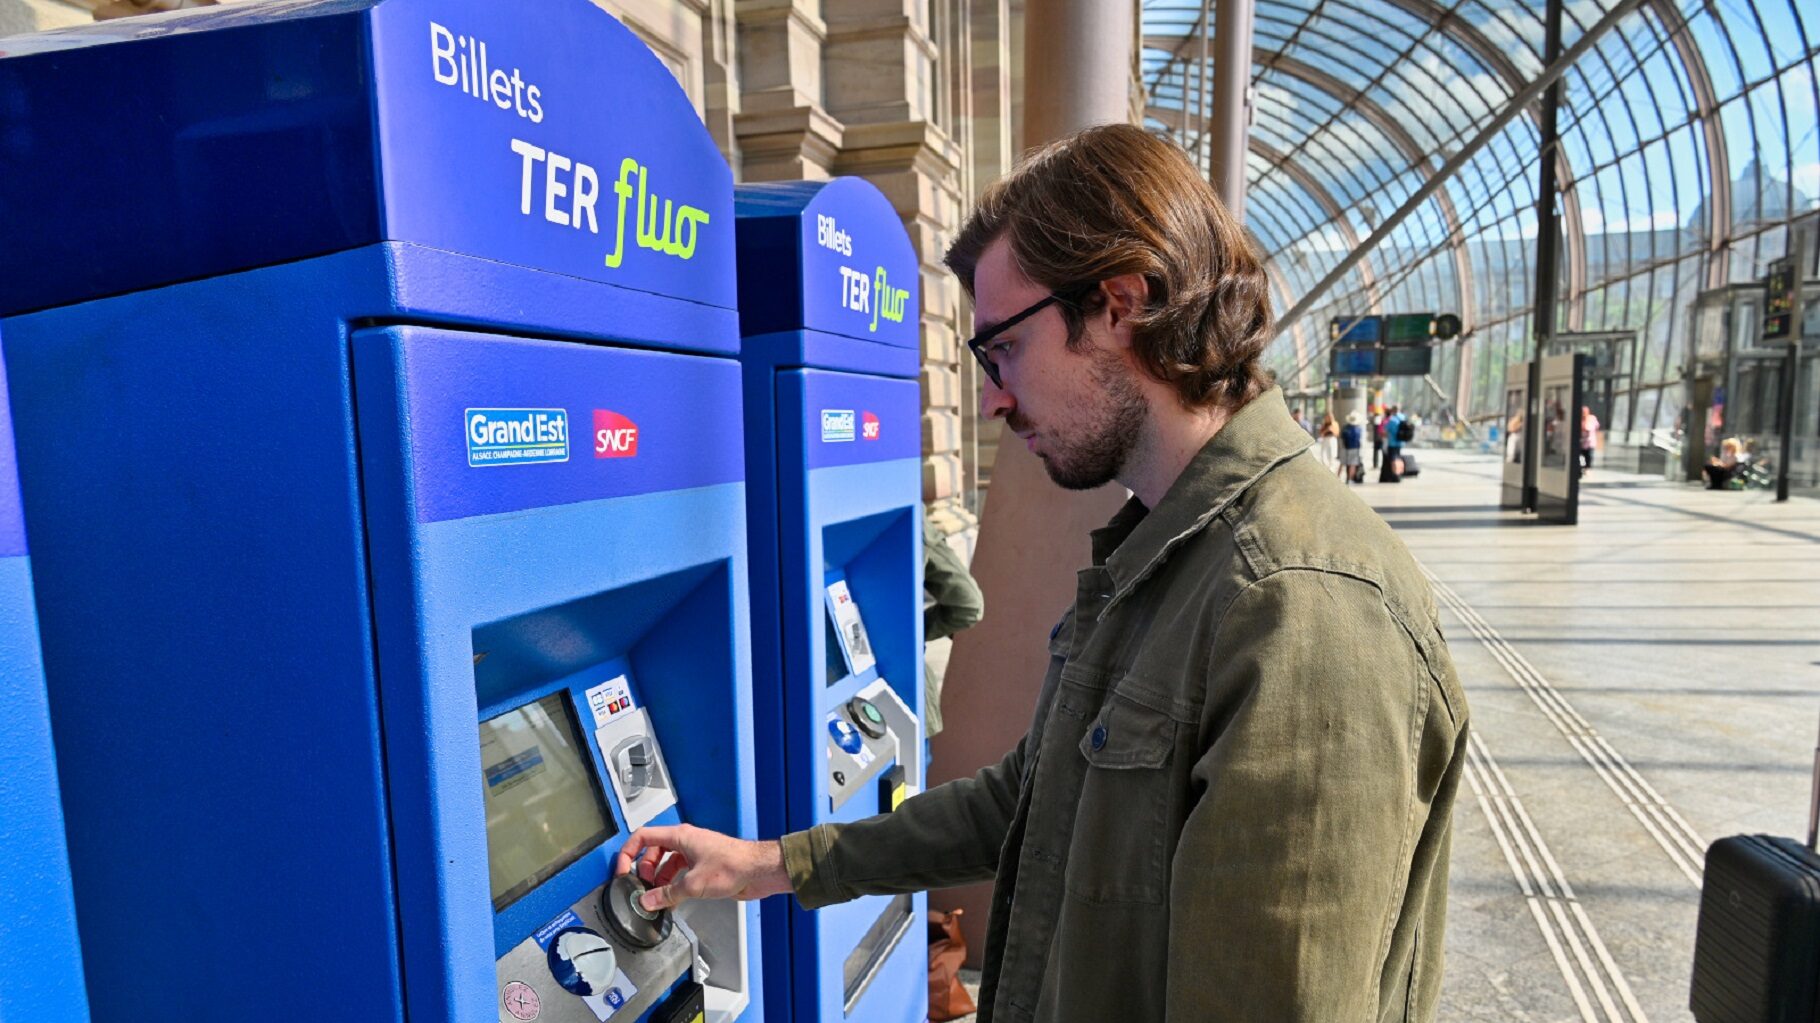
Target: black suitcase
1757	945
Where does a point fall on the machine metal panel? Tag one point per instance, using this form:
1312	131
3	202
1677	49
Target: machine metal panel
623	434
492	171
249	538
613	561
827	260
40	956
834	474
276	132
211	530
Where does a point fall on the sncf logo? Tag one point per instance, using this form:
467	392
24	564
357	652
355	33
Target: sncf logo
615	436
868	426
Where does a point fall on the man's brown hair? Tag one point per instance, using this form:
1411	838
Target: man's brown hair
1115	200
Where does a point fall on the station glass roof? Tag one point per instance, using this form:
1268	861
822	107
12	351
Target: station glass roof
1688	142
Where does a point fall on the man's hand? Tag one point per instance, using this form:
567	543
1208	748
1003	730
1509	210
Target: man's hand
686	862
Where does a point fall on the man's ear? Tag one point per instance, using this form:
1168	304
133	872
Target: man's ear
1126	296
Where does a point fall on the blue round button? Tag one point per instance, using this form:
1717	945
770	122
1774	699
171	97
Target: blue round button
1099	737
845	736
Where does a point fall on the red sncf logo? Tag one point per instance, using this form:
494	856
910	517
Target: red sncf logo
868	426
615	436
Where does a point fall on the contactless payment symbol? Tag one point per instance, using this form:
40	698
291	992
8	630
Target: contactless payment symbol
868	426
521	1000
610	699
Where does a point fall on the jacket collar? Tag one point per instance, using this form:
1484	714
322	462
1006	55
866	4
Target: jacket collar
1258	438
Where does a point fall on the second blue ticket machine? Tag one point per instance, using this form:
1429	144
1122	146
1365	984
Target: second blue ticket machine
828	305
382	445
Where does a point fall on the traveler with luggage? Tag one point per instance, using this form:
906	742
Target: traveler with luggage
1396	428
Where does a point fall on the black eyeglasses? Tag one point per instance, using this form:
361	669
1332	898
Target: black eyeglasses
977	343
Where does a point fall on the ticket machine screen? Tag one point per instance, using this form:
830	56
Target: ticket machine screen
544	805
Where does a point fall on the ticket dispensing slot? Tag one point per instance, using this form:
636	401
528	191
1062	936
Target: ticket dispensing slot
572	761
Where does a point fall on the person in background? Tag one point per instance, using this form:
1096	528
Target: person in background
1393	446
1301	420
1719	471
1352	442
1589	437
1376	426
1329	441
955	603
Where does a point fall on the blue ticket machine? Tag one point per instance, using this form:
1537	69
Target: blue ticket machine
39	955
384	441
828	306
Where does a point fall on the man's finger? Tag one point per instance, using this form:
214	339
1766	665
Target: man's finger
647	864
658	899
664	837
666	873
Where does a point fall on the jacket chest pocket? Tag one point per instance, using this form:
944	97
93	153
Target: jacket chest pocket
1119	851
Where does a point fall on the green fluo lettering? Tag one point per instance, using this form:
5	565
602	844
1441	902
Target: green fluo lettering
890	301
672	232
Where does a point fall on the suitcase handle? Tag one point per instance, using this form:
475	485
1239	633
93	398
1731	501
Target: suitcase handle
1813	805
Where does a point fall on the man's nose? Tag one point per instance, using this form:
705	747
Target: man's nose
995	401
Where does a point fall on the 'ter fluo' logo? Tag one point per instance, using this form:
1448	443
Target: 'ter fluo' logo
868	426
615	436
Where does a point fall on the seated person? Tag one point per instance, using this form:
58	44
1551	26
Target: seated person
1719	471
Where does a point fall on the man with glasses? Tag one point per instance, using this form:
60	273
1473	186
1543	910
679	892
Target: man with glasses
1234	799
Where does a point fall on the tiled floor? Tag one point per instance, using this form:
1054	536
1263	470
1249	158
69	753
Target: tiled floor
1641	684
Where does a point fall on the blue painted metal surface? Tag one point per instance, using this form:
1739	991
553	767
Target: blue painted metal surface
271	541
644	554
828	503
40	957
827	277
285	130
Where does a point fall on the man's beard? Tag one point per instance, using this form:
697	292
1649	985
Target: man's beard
1107	432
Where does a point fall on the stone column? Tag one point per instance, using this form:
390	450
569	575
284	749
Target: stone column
784	132
1033	535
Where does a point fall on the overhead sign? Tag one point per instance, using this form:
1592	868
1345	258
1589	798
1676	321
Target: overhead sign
1354	362
1356	330
1407	362
1409	328
1779	305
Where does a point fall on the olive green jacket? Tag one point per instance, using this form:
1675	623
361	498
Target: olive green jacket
1234	801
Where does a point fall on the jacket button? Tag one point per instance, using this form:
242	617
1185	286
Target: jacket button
1099	738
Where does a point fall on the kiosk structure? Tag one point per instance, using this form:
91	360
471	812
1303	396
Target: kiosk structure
828	306
39	954
384	445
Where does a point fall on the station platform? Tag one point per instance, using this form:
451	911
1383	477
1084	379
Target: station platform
1641	684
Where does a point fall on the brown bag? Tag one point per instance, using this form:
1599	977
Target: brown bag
948	999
